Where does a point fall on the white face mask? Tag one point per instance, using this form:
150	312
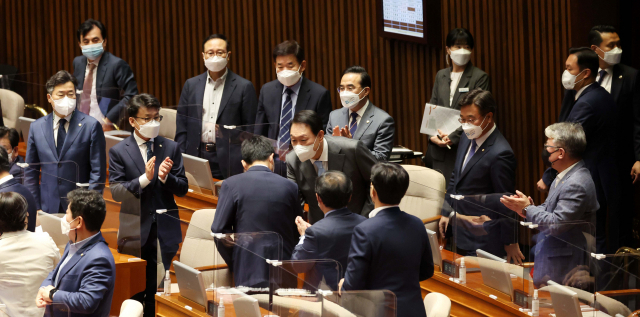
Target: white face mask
150	129
569	80
306	152
65	226
473	131
215	63
64	106
612	57
461	56
289	77
349	99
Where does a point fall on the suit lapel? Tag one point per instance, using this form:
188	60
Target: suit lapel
80	72
77	256
102	70
76	125
365	121
447	79
134	152
229	87
47	131
309	172
199	91
616	83
303	96
464	82
336	159
554	190
480	152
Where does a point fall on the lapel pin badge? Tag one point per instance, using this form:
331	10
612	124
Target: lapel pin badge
620	76
160	145
367	121
82	254
482	150
79	124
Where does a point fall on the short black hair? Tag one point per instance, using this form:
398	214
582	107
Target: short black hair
365	79
289	47
90	205
60	78
310	118
13	212
216	36
483	99
586	59
5	164
594	35
334	188
256	148
142	100
390	181
459	36
88	25
10	133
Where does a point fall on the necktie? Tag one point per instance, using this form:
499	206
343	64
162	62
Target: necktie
149	144
354	123
472	151
602	74
319	166
285	122
85	100
62	134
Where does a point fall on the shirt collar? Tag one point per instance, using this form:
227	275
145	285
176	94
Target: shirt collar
96	61
564	173
483	138
295	88
328	212
56	118
222	78
325	152
609	70
78	245
140	141
581	90
377	210
7	235
6	179
361	111
258	164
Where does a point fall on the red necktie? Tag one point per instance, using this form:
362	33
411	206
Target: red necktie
85	100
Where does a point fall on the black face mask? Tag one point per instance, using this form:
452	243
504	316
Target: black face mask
546	155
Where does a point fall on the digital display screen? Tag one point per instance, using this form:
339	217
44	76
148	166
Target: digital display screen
405	17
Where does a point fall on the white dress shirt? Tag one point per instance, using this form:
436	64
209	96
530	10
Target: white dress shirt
479	142
563	173
94	108
73	249
455	80
377	210
324	157
606	82
581	90
6	179
56	125
360	114
210	106
144	181
26	259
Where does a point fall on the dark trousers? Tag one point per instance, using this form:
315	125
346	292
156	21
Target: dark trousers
214	163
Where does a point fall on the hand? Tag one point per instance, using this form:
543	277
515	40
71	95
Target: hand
107	125
517	202
542	186
579	277
149	168
165	168
302	225
42	299
635	172
480	220
513	253
345	132
444	222
336	131
340	287
445	138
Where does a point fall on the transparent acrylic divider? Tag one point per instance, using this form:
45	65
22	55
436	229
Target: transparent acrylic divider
376	303
57	310
122	227
49	182
235	135
617	282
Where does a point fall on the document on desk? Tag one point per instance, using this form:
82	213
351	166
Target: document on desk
439	118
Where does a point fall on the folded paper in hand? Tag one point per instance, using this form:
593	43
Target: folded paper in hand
437	117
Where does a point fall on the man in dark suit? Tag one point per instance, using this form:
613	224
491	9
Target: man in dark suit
280	100
9	139
587	103
359	119
145	172
313	154
64	148
485	165
82	283
216	97
330	237
381	257
106	81
10	184
256	201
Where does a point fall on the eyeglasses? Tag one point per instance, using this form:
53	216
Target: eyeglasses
467	121
218	53
551	146
147	120
349	89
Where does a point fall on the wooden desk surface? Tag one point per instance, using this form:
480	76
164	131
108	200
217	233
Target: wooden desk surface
174	306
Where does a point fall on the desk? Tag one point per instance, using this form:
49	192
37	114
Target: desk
174	306
130	279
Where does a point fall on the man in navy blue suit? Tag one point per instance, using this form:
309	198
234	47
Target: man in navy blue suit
216	97
106	81
8	183
330	237
145	172
256	201
9	139
84	279
589	104
64	148
485	165
390	251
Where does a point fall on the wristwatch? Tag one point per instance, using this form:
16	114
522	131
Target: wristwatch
524	210
51	292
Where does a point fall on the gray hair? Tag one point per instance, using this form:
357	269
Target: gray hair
60	78
569	136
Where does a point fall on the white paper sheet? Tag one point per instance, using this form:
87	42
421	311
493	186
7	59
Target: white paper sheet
437	117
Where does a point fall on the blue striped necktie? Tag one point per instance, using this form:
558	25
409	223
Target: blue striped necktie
286	116
354	123
472	151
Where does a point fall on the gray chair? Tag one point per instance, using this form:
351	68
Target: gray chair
425	195
12	107
51	224
131	308
437	305
168	124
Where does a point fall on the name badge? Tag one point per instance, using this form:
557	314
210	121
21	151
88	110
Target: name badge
466	89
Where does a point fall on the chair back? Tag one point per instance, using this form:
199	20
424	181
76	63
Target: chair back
437	305
12	107
425	195
168	123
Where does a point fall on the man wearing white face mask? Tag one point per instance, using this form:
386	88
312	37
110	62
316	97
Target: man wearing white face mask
9	139
216	97
359	119
280	100
106	81
66	146
163	177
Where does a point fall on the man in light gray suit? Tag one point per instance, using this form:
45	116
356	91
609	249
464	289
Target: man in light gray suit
359	119
566	219
314	153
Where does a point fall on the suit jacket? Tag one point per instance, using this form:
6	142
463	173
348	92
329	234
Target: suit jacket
565	219
85	283
256	201
391	251
346	155
329	238
311	96
376	129
16	170
625	90
138	208
488	174
82	160
13	185
115	84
